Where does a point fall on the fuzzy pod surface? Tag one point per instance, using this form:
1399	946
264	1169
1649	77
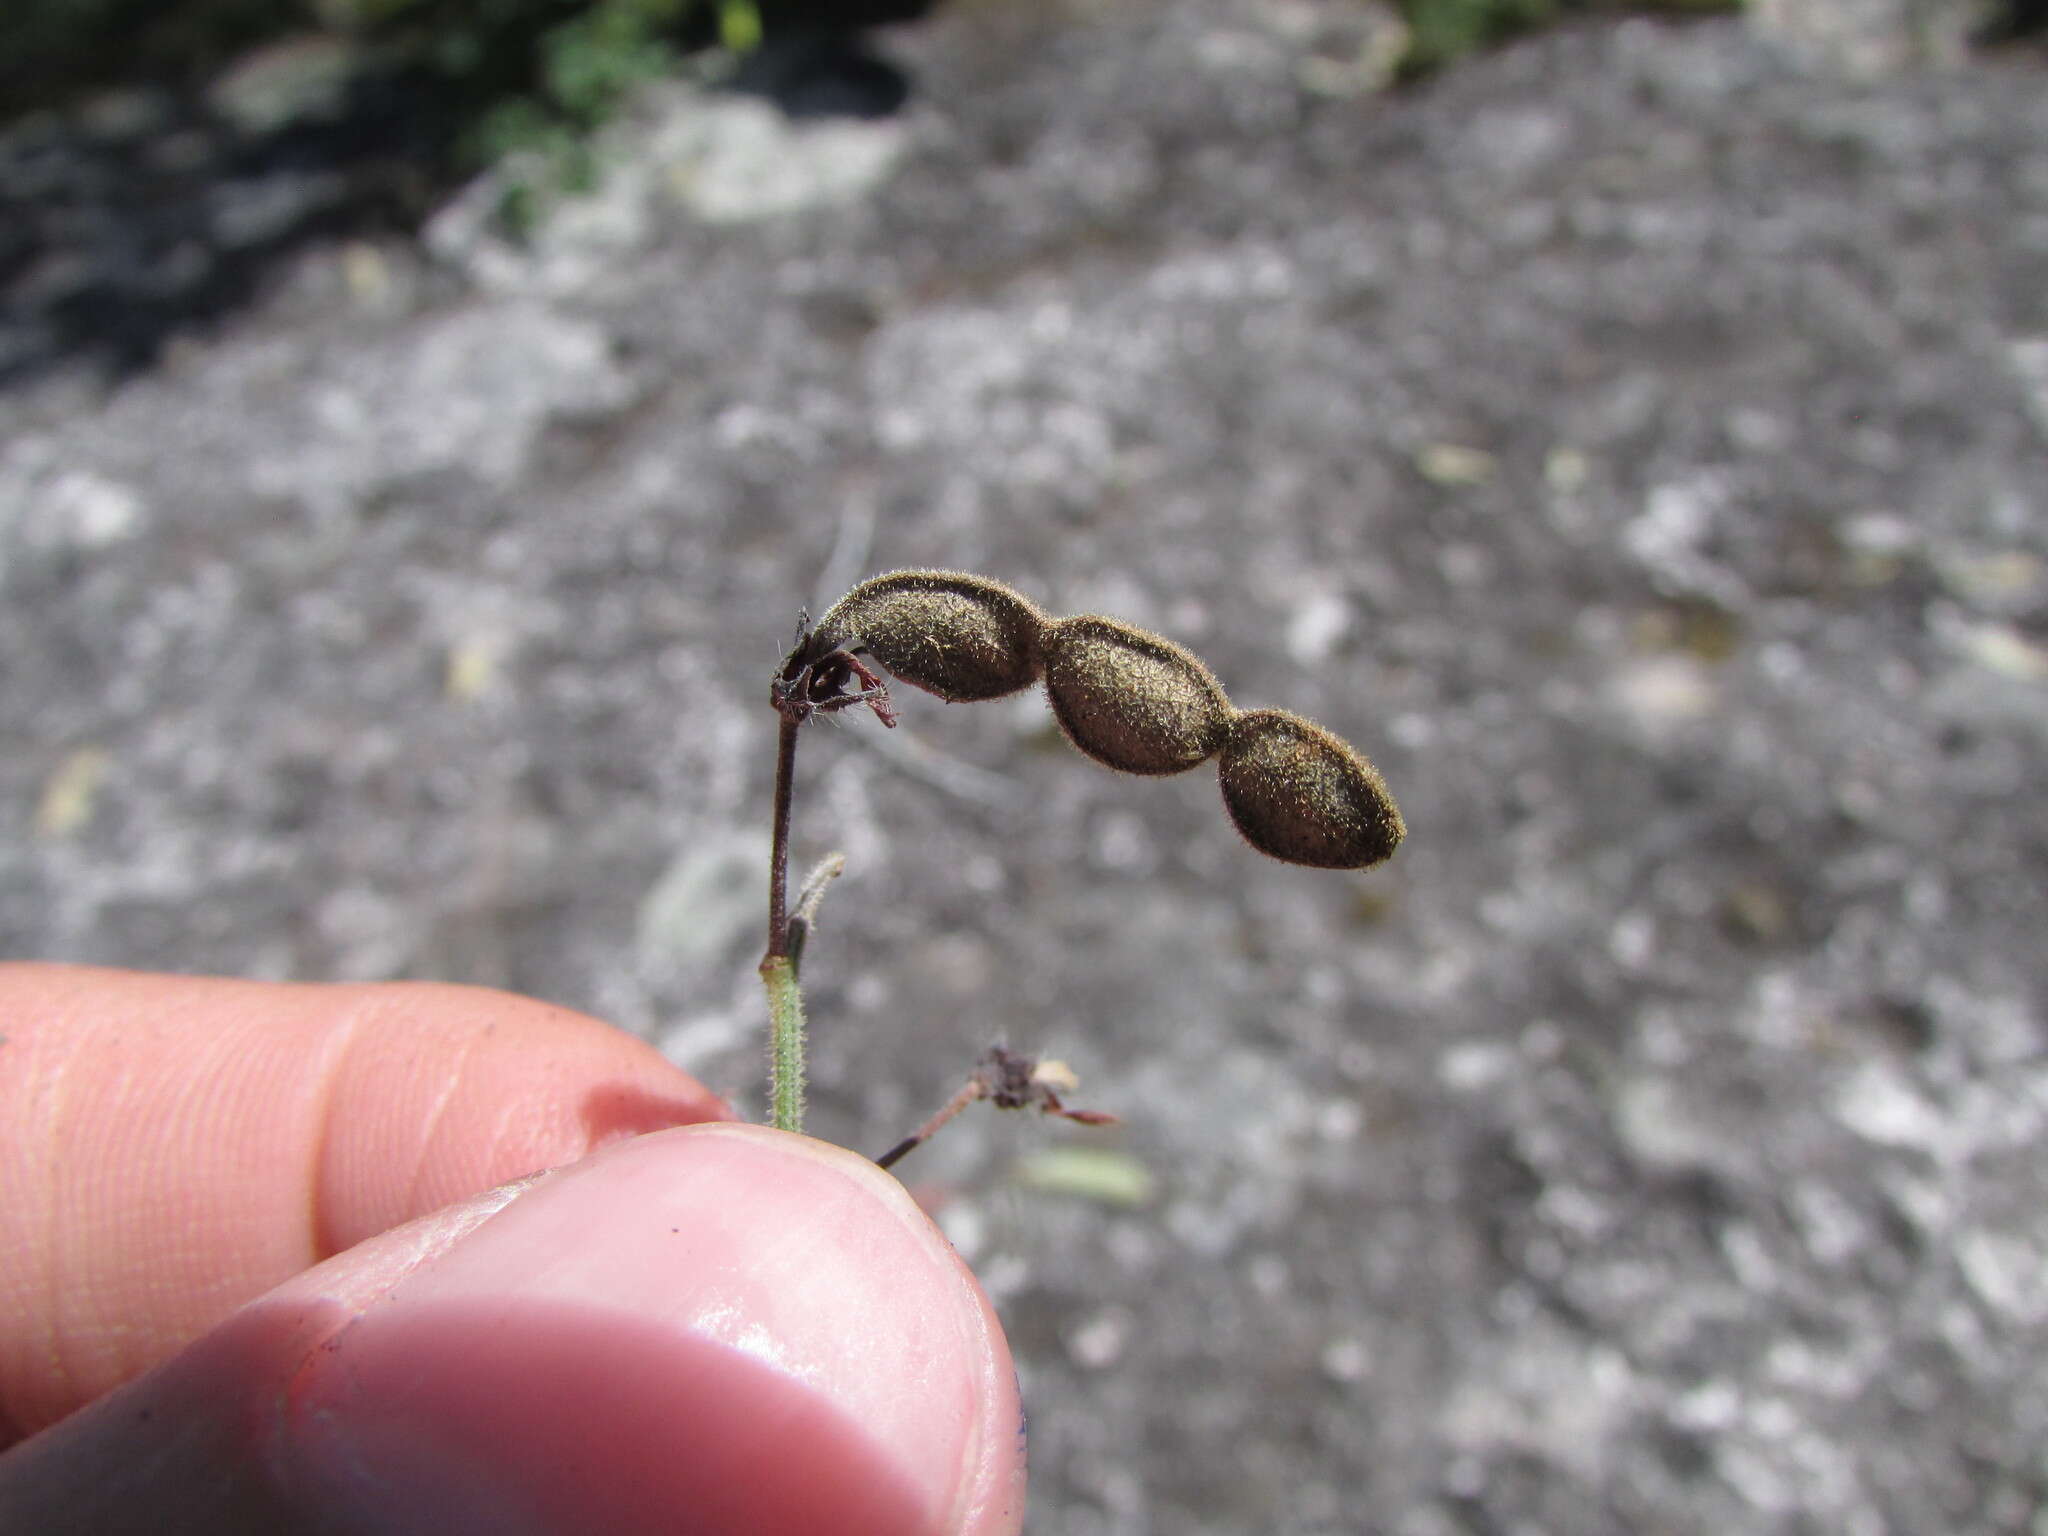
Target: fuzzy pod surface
1130	699
960	636
1305	795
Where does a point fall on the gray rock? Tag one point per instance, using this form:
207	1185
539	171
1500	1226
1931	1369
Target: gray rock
293	80
716	158
1872	39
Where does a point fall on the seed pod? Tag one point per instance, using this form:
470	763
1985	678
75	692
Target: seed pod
962	637
1130	699
1301	794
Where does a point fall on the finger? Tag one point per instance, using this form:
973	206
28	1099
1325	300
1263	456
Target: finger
172	1146
723	1329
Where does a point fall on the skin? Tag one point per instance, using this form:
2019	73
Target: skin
261	1269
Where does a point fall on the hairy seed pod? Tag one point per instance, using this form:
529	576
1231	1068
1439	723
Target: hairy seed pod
1301	794
962	637
1130	699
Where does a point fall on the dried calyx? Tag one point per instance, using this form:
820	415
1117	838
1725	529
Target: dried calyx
1129	699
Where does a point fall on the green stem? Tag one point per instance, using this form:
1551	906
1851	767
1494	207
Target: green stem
785	1044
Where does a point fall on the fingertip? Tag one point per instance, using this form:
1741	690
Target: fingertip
721	1329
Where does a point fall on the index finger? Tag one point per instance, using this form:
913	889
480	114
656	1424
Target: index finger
172	1146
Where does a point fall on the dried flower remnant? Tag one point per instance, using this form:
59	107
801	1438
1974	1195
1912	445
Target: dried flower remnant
1008	1080
819	677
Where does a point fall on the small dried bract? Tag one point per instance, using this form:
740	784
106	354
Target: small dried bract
959	636
1303	794
1015	1081
1132	700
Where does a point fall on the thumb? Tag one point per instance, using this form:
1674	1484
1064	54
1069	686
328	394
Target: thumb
718	1329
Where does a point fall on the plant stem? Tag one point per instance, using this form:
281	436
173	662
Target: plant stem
778	970
975	1088
778	851
785	1044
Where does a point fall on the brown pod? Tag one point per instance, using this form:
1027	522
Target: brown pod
1302	794
1130	699
962	637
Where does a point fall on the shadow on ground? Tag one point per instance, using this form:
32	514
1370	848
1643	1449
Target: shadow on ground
130	215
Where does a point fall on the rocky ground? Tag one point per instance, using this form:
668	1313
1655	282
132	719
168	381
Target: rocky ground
1636	440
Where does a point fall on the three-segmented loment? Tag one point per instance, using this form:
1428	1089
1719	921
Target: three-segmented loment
1131	700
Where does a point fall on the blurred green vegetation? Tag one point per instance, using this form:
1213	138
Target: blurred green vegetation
1444	31
533	68
538	70
1440	31
534	72
532	77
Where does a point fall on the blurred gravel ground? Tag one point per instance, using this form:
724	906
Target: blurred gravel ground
1636	443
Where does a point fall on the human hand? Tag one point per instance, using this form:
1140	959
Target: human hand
716	1328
